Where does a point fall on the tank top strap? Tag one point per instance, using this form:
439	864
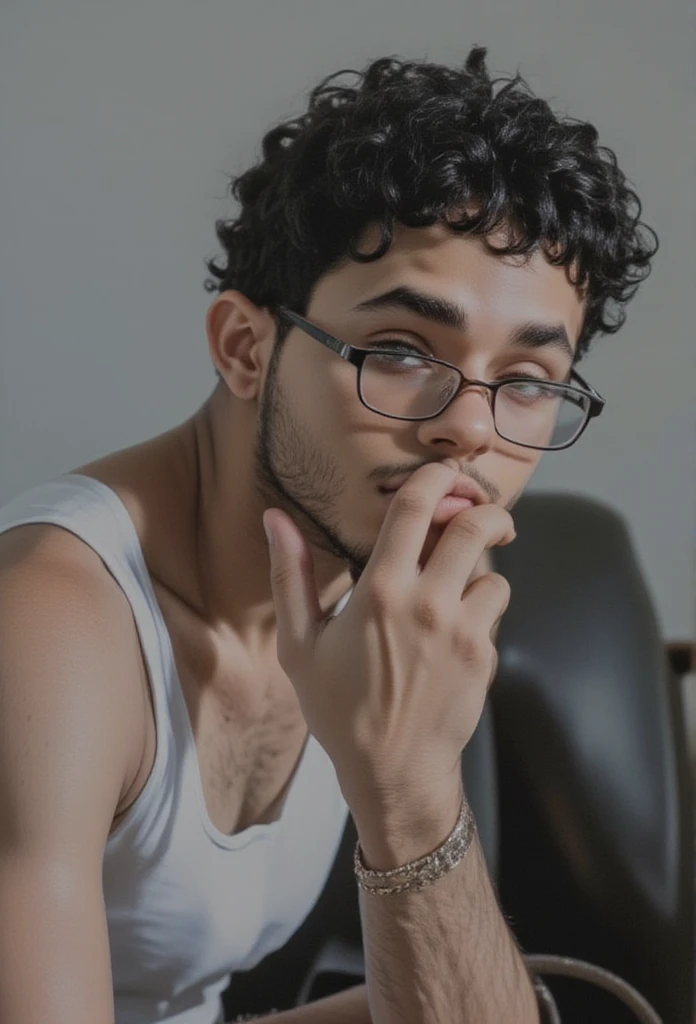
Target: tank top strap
94	512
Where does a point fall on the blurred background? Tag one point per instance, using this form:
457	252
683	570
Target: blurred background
120	122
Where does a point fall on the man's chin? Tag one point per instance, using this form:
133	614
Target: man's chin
331	550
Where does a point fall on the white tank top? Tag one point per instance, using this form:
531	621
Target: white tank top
187	905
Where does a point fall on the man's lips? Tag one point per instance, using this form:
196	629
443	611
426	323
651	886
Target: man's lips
464	493
463	487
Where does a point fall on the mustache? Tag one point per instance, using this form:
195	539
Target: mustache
383	474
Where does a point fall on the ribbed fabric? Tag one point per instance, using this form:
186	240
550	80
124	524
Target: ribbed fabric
186	904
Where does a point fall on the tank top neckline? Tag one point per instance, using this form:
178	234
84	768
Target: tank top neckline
266	831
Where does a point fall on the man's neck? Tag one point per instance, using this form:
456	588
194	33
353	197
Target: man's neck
231	586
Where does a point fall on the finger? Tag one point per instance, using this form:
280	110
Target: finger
294	588
495	627
494	668
484	603
483	566
482	609
409	518
467	537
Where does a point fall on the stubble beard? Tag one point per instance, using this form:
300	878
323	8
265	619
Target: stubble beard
294	475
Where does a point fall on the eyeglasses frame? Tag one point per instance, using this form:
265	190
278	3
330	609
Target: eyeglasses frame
356	355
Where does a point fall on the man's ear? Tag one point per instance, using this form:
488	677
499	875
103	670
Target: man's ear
240	339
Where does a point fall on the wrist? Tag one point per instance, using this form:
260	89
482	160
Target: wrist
400	834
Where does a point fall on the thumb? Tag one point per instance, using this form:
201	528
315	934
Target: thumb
292	580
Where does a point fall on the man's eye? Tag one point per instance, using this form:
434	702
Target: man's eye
525	375
398	345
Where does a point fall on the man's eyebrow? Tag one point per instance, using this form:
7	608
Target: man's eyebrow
432	307
535	335
449	314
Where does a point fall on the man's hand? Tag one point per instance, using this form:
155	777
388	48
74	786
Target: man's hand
394	686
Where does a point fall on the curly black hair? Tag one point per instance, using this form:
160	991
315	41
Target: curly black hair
417	143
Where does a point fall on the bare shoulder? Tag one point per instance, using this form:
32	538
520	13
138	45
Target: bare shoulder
69	703
70	659
40	546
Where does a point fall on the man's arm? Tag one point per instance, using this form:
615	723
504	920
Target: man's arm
410	939
430	931
444	953
67	731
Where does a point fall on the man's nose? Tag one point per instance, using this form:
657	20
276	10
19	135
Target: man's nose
466	424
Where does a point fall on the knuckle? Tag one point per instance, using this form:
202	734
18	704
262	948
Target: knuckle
492	589
466	647
411	503
427	615
467	529
476	650
281	576
500	588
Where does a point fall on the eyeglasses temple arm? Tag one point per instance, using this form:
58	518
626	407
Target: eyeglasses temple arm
599	401
340	347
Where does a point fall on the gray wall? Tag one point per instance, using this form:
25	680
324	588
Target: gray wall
119	121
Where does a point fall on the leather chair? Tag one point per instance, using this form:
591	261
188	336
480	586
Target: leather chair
579	778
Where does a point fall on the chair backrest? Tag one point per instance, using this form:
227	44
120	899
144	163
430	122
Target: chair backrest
578	776
595	790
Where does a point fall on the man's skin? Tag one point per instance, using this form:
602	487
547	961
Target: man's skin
393	687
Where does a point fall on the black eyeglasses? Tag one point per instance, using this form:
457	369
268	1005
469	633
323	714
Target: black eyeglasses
396	380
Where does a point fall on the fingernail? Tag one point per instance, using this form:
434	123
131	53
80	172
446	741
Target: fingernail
270	536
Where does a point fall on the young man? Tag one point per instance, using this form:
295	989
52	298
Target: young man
188	709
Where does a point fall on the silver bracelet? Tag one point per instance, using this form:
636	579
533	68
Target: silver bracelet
417	874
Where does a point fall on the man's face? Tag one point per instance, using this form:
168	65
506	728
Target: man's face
324	456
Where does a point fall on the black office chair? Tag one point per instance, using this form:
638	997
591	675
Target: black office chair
579	778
